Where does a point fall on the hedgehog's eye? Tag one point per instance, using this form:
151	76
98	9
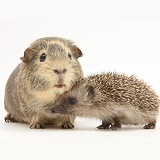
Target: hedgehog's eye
42	57
69	55
72	100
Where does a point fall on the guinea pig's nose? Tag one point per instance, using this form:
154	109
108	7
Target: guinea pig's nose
60	71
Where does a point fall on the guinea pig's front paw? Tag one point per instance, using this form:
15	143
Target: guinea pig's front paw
37	126
67	125
8	118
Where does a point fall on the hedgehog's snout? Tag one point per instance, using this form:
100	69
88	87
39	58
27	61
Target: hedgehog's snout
54	110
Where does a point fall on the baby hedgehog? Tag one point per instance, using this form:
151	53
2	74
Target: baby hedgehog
114	98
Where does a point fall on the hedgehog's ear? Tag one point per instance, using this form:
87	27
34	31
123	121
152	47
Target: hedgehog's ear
77	52
28	55
90	91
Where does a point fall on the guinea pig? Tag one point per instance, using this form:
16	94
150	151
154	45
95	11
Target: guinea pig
49	68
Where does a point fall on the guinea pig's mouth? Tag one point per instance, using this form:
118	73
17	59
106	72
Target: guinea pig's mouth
60	85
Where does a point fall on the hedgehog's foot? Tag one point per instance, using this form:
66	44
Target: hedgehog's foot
8	118
151	125
104	125
117	124
67	125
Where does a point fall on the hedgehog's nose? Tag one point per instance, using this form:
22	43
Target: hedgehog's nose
60	71
53	110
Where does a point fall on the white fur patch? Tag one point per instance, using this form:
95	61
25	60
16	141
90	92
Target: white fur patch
51	94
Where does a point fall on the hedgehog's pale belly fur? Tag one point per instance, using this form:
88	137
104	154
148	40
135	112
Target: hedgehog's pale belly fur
127	114
31	86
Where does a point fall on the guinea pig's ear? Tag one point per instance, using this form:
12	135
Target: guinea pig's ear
77	52
90	91
28	55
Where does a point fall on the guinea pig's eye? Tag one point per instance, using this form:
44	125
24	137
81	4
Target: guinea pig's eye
69	55
42	57
72	100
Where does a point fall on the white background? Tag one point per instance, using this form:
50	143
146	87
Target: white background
122	36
